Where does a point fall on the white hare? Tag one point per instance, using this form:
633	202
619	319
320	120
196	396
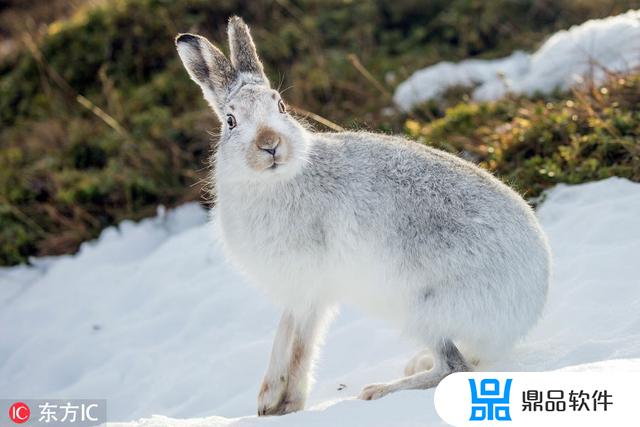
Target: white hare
442	249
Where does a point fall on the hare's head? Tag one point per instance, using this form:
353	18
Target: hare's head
259	139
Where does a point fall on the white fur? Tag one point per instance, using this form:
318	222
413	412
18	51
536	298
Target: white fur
484	301
428	241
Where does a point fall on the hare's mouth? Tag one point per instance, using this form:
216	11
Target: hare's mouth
276	164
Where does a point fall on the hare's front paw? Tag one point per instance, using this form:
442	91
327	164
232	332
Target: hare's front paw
374	391
278	398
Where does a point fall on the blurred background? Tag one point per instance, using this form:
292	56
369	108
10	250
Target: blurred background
99	121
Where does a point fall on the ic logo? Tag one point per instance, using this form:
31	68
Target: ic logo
19	413
487	403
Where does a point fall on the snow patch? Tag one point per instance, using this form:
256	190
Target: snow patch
588	50
151	318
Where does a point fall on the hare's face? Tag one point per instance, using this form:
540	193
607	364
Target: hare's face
259	139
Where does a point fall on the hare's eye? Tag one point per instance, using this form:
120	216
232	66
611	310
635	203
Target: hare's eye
231	121
281	106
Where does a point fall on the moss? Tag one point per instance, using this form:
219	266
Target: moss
17	239
590	134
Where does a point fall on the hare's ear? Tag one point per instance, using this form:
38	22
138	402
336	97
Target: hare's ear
208	67
243	53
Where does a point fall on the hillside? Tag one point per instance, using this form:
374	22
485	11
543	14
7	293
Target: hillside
98	121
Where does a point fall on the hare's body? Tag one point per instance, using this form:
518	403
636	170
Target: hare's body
427	240
442	249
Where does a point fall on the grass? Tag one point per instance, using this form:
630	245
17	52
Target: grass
589	134
99	122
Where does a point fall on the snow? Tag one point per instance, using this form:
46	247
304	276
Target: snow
564	60
151	318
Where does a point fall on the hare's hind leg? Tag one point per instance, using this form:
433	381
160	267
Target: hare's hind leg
446	360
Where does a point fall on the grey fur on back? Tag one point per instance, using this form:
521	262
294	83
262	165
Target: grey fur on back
423	201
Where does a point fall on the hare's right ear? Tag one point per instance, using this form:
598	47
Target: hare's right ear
208	67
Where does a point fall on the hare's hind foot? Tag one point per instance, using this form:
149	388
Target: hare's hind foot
446	360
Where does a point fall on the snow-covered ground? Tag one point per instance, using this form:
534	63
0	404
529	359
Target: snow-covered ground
589	50
150	317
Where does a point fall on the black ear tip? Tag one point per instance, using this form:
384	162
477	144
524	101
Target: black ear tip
187	38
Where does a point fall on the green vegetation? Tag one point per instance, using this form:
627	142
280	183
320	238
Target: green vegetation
589	134
99	122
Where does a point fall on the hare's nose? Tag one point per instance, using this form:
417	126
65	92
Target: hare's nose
268	140
271	151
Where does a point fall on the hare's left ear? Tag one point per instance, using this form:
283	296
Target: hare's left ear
243	55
